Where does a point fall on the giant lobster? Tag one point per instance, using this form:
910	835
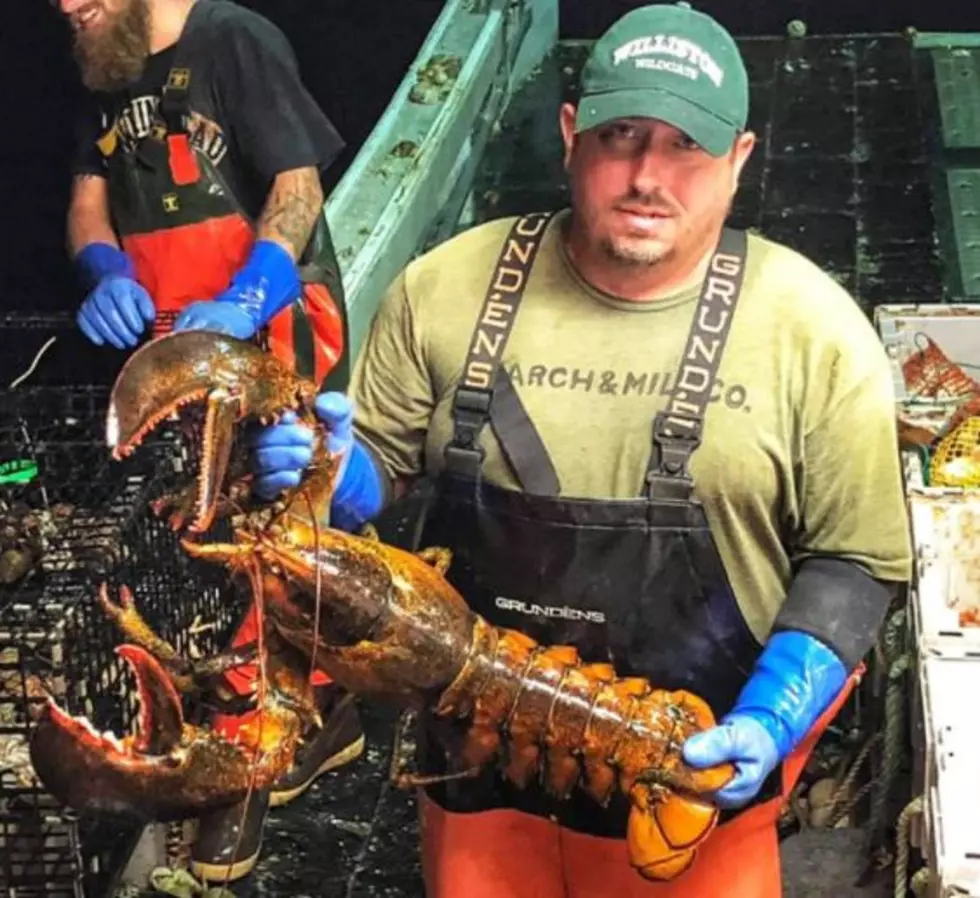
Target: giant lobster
384	623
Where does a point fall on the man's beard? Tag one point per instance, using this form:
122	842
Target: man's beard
637	253
115	57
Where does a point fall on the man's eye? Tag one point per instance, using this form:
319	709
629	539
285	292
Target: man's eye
619	133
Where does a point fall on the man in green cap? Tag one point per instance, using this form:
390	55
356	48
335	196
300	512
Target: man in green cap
664	442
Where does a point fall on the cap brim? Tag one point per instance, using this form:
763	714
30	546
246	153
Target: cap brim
705	129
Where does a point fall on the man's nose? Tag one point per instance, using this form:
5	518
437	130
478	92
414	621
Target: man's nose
67	7
648	170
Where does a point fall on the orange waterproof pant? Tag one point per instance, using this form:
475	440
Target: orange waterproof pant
508	854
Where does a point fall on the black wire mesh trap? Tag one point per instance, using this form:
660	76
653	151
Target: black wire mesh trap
71	518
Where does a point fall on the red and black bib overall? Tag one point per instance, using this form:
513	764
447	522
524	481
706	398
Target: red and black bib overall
187	234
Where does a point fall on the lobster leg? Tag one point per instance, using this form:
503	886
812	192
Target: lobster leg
180	507
436	556
403	778
411	780
187	676
179	504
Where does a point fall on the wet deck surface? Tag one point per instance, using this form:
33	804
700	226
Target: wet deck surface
839	174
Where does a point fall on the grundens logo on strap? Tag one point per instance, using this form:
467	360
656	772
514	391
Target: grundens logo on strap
677	49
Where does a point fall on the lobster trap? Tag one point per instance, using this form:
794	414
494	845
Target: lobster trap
935	356
71	518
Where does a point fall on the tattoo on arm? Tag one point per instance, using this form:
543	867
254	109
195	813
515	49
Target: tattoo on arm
291	209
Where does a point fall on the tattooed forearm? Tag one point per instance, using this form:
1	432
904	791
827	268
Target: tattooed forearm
291	210
88	213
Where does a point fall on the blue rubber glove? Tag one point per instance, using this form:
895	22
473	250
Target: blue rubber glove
795	680
263	287
281	452
118	308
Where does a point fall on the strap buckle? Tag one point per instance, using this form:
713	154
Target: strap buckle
669	479
465	454
675	448
475	401
471	413
466	460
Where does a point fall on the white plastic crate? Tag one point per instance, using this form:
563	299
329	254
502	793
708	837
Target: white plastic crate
945	597
952	794
945	337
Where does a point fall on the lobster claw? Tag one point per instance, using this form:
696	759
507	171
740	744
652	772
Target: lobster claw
233	378
169	770
84	768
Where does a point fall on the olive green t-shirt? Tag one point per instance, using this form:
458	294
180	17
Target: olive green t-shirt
799	453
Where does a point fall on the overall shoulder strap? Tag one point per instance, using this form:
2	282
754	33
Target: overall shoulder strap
171	120
678	428
484	392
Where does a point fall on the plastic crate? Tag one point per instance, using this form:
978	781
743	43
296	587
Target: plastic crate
946	598
934	349
952	840
928	425
101	530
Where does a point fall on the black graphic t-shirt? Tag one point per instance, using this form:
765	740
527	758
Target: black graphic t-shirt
250	112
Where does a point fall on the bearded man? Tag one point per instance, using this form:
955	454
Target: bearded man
197	202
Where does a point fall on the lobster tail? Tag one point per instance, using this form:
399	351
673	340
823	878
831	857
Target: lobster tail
665	831
574	724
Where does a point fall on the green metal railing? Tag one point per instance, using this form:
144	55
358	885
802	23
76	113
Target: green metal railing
955	65
410	180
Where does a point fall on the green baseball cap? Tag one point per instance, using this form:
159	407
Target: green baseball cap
669	62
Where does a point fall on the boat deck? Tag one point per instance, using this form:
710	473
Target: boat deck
851	170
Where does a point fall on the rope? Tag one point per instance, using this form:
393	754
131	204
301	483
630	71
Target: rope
891	759
842	803
177	849
841	792
30	370
920	882
902	846
846	809
898	662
